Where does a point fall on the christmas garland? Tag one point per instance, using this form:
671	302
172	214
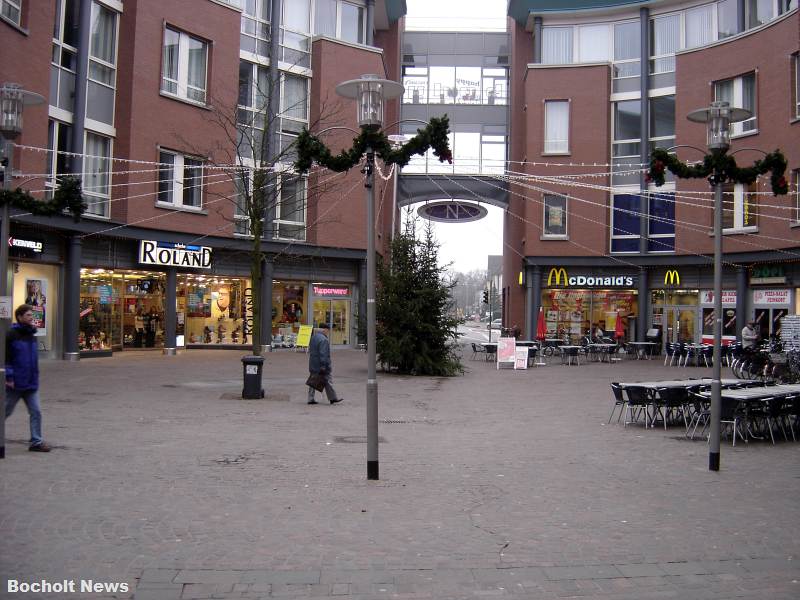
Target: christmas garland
66	197
310	148
721	168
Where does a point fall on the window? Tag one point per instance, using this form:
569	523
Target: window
295	33
699	26
556	126
556	45
665	40
65	55
625	211
102	65
351	22
294	112
727	18
627	139
11	10
594	43
627	64
741	93
251	114
184	69
661	222
796	177
97	174
796	85
759	12
493	150
738	206
59	142
290	215
180	180
662	122
255	27
555	216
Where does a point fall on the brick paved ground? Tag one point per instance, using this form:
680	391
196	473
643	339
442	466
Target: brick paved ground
498	484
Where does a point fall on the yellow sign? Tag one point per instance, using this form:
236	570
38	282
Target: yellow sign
303	336
672	277
557	274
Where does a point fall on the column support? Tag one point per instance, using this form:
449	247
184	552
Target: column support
72	292
171	312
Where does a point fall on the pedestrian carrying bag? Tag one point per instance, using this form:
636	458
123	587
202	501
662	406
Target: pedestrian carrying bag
316	381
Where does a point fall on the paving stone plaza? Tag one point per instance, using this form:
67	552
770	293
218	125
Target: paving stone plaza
494	484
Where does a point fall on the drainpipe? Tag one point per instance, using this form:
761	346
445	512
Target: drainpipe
370	22
170	312
644	126
535	283
81	80
271	144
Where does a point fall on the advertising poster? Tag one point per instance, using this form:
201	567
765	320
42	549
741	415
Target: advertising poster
36	296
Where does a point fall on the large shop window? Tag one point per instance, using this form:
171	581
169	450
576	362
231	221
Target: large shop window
289	309
741	93
180	180
578	312
215	310
332	306
183	72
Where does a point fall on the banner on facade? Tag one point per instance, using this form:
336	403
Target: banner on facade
771	296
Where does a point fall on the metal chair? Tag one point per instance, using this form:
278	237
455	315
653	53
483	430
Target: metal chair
619	401
476	350
638	402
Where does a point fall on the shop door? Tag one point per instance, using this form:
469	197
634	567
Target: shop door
681	325
768	322
336	313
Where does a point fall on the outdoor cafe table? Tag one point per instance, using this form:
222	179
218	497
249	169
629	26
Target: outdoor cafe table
491	348
643	349
687	383
601	351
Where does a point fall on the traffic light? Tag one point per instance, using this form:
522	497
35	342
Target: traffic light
486	296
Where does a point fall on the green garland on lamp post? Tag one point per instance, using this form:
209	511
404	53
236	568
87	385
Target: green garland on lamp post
434	135
67	196
722	166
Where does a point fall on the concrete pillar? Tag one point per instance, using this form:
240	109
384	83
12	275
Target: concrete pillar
742	304
644	301
362	303
644	125
170	312
535	282
72	292
267	273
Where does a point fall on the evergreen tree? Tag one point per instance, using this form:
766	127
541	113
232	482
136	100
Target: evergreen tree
417	331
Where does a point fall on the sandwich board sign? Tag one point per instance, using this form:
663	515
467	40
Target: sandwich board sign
506	352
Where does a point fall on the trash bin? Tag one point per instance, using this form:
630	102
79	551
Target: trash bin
252	366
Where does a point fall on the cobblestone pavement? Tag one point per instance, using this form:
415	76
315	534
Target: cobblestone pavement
497	483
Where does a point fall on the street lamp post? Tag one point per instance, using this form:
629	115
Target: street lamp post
370	92
718	118
12	100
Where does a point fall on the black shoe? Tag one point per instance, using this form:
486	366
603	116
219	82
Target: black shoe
335	400
39	448
313	402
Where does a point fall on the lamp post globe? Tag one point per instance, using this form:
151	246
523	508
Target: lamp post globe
370	92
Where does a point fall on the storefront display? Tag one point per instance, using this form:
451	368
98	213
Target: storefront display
37	285
769	308
289	309
332	306
214	310
576	312
728	316
676	312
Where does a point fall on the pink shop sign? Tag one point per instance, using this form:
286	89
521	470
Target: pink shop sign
728	297
770	296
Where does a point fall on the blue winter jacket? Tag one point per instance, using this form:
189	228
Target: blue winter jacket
22	357
319	353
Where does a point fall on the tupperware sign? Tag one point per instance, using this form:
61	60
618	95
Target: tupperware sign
169	254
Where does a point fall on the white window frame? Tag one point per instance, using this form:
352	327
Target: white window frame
182	81
260	25
102	198
296	122
748	13
178	176
738	129
556	146
796	177
623	61
621	191
655	57
572	42
576	40
555	236
14	4
739	193
796	84
279	220
714	32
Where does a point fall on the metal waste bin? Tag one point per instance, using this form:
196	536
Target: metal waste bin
252	366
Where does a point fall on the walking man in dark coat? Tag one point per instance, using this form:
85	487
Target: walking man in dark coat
319	361
22	373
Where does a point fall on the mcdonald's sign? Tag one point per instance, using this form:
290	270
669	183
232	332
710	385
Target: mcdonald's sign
557	275
672	277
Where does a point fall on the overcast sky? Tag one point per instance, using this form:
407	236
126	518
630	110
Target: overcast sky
466	245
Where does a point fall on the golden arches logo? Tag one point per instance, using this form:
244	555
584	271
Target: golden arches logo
672	277
558	274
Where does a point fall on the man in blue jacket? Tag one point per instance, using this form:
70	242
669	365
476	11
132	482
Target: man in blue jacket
319	361
22	373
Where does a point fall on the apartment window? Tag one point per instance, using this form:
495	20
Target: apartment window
665	40
738	206
727	18
290	213
662	122
699	26
625	211
796	177
180	180
102	65
626	145
97	174
661	222
59	143
555	216
594	43
251	114
184	69
338	19
556	126
11	10
759	12
415	82
556	45
254	36
65	55
627	64
493	150
294	112
796	84
295	33
741	93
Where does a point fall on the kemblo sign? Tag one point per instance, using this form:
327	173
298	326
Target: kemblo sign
558	276
169	254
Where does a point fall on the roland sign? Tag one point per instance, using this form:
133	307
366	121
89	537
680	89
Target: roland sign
558	277
169	254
